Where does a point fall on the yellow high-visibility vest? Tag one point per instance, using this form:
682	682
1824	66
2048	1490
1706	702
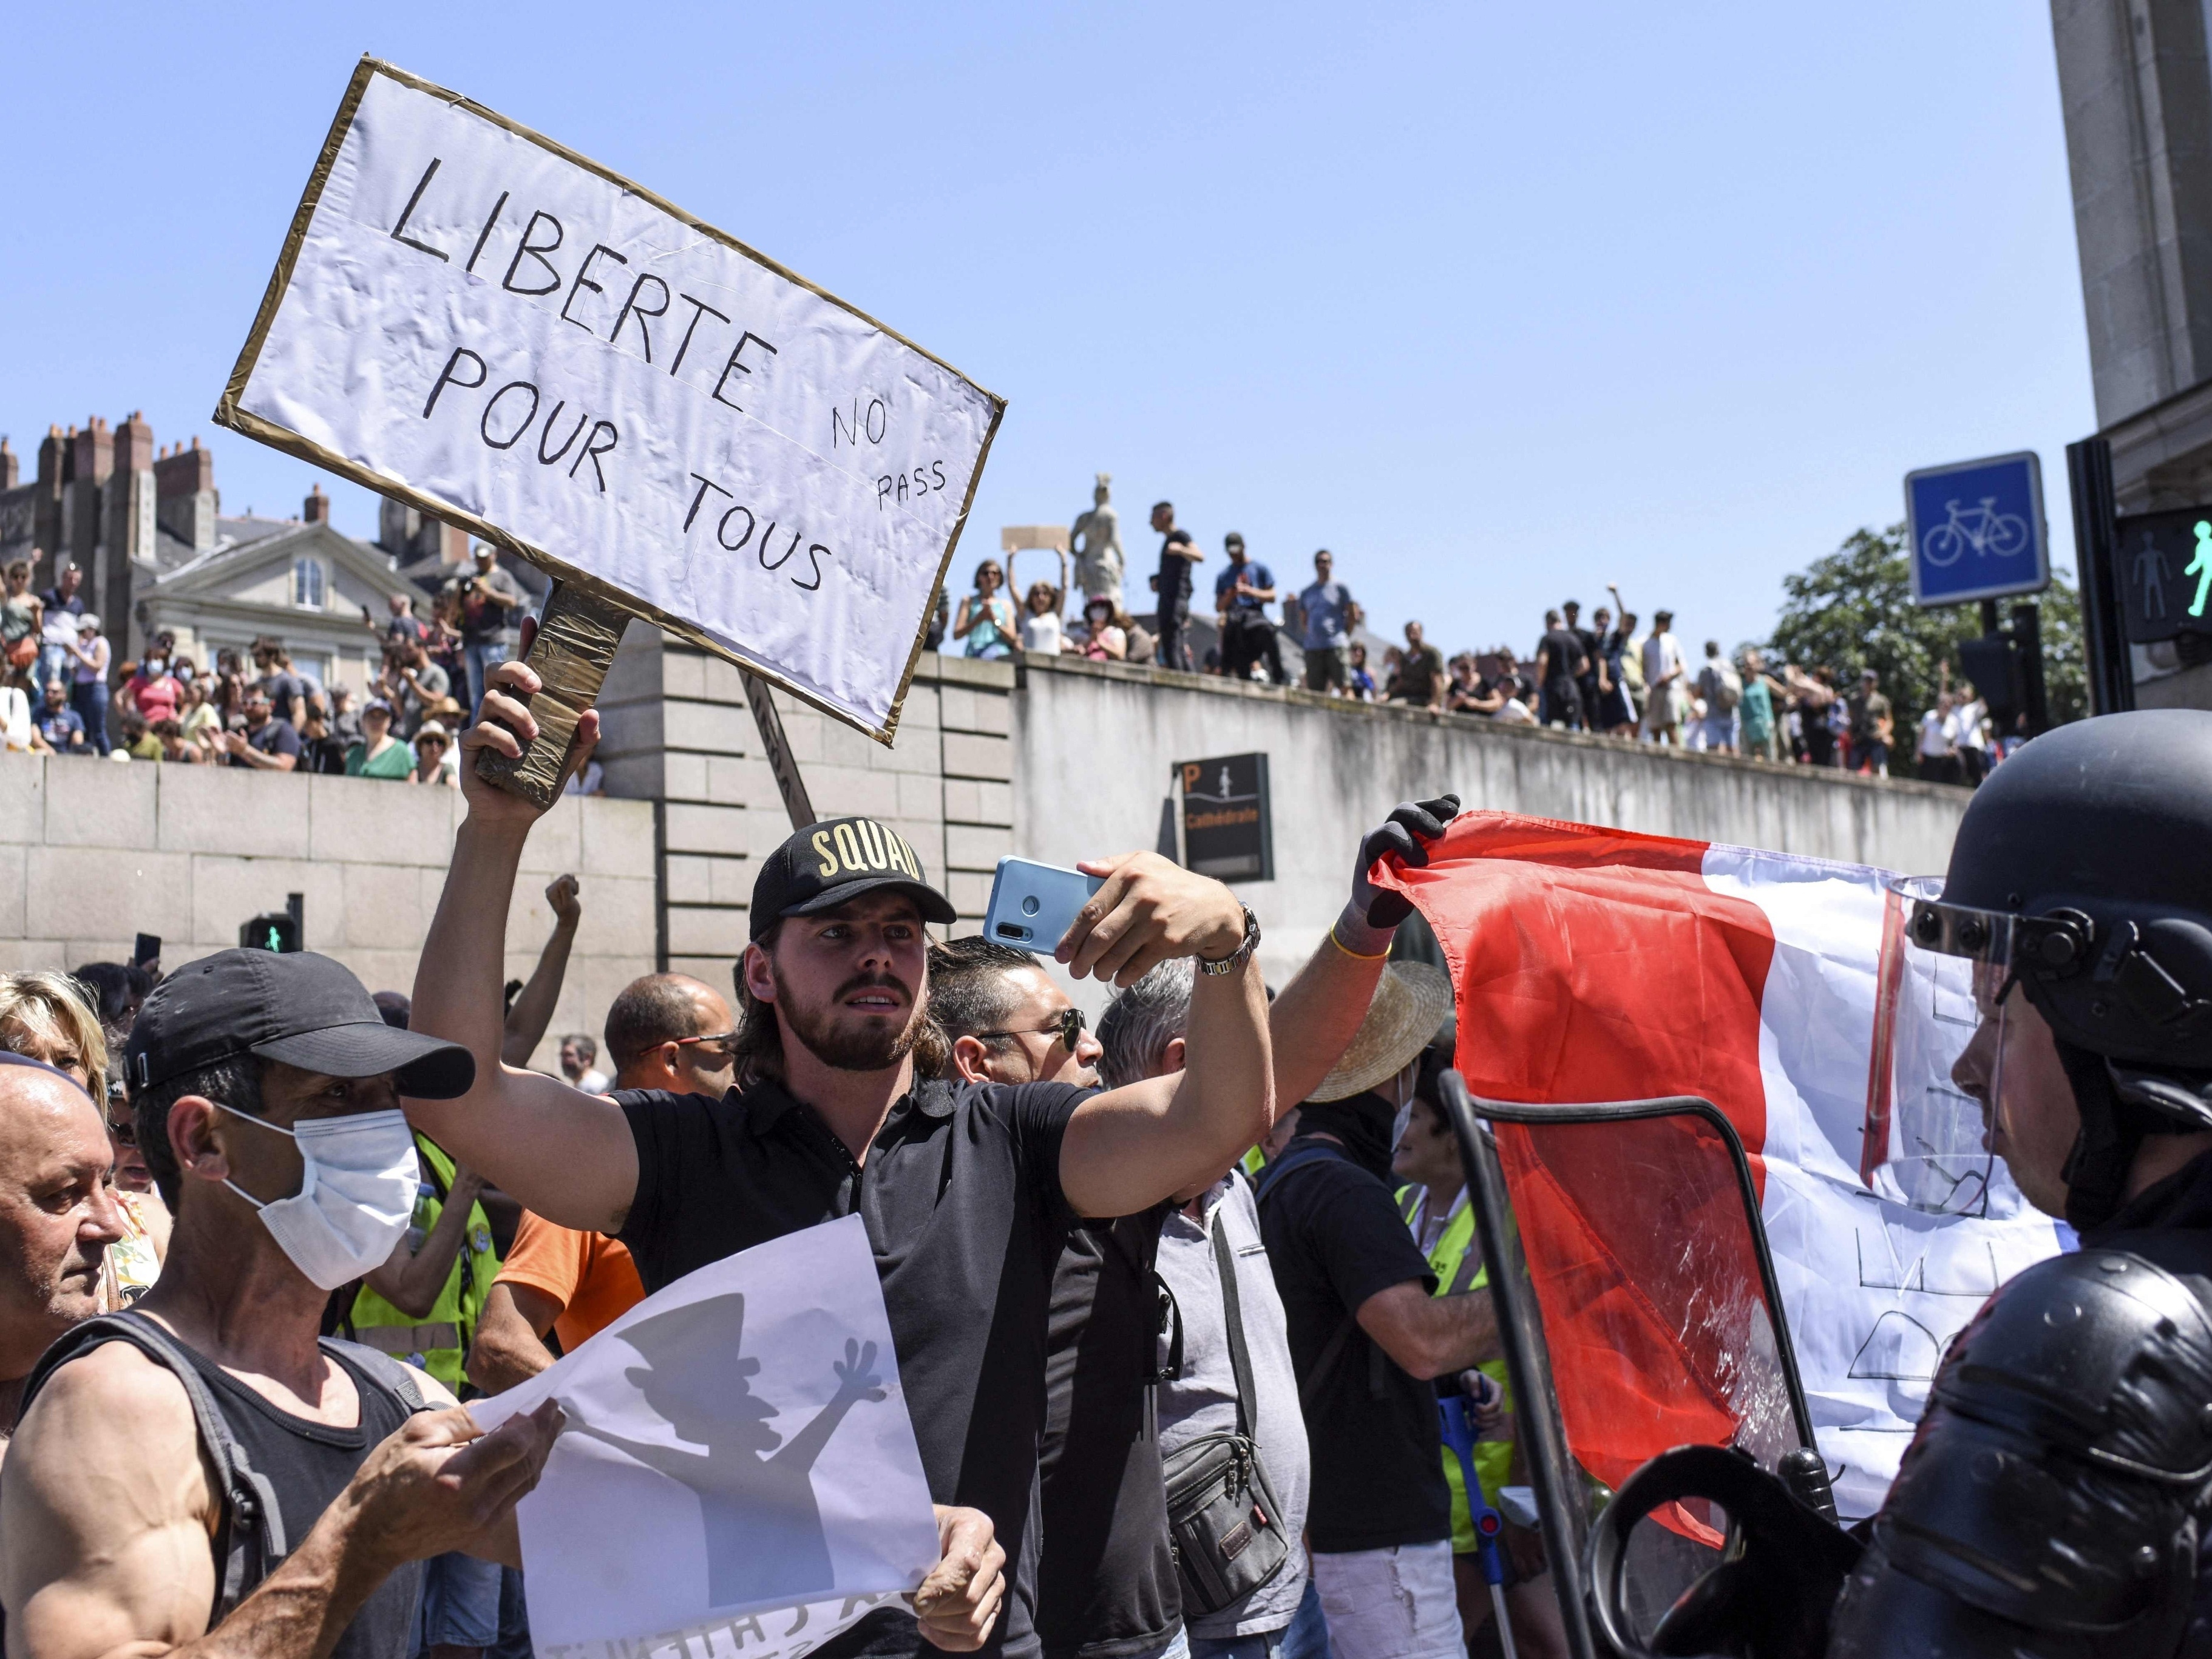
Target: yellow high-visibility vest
1458	1266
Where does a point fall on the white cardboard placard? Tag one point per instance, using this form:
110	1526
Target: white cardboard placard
474	319
739	1476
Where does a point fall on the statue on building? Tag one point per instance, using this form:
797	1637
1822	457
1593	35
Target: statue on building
1098	556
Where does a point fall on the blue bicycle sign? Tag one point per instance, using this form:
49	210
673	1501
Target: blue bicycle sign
1977	530
1984	529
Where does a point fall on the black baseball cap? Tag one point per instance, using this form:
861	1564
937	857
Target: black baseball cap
827	863
295	1006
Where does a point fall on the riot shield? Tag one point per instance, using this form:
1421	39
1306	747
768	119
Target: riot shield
1637	1307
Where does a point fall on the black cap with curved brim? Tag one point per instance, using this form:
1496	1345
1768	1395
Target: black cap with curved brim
831	863
297	1007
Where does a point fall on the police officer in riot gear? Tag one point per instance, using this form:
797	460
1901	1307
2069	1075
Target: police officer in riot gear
2057	1495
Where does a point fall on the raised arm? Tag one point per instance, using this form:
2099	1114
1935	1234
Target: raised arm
1317	1015
409	1279
533	1006
1128	1148
556	1150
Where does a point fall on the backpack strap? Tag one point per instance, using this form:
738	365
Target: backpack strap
1302	1155
251	1540
393	1377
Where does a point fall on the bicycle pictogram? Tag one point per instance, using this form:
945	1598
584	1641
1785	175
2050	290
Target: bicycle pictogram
1983	528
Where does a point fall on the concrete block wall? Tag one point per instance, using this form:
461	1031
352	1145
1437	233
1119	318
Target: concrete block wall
1095	744
677	732
93	853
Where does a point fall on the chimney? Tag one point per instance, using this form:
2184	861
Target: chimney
185	500
46	516
134	444
95	452
318	504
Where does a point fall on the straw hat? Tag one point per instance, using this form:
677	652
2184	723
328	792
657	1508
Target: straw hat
1411	1002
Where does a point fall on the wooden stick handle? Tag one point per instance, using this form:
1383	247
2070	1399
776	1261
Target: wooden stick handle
575	647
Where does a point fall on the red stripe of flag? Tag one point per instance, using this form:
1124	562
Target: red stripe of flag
1596	964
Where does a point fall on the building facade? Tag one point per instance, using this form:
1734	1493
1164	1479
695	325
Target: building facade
145	525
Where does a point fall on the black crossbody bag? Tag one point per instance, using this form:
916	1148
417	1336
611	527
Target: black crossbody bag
1226	1527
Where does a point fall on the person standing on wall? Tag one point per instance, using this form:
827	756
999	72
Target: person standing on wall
1178	553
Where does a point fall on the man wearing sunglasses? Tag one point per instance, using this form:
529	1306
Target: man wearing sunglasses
2055	1490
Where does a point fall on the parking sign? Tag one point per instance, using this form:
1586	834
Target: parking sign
1977	530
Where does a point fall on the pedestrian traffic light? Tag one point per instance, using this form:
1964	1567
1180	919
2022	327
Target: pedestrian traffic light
2164	566
274	930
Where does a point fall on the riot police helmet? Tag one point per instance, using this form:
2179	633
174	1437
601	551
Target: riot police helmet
2081	877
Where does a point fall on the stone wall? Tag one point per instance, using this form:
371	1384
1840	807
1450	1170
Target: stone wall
93	853
1094	747
677	731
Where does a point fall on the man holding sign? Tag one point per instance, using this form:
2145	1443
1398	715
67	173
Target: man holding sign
967	1193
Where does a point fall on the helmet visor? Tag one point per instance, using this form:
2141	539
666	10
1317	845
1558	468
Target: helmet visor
1938	1042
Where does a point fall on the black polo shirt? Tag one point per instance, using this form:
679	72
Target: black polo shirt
1108	1586
962	1200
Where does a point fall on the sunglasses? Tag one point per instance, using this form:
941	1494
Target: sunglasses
723	1043
1067	1026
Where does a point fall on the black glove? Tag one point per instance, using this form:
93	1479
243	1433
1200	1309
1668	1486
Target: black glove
1407	831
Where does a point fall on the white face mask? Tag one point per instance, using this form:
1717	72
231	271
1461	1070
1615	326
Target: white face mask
356	1194
1405	1112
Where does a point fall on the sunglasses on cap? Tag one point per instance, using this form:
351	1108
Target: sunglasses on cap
1067	1026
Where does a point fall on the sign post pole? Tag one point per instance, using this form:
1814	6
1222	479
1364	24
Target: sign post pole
777	747
2112	674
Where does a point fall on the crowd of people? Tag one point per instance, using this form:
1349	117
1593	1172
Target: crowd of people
1196	1281
63	693
1613	676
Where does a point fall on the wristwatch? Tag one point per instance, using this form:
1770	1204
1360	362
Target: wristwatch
1229	961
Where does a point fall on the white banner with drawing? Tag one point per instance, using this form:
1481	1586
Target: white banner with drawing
737	1473
469	317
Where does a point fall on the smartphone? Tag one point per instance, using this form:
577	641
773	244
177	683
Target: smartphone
1032	905
147	950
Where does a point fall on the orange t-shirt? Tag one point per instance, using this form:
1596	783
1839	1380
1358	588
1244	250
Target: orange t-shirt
589	1274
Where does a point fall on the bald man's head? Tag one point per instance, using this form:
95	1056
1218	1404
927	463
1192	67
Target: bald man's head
671	1031
57	1214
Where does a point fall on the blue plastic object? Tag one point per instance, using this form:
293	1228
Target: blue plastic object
1459	1434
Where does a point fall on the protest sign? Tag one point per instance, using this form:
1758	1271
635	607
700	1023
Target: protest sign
738	1466
469	317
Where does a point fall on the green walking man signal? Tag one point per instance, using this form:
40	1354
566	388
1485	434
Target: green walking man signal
2200	567
274	930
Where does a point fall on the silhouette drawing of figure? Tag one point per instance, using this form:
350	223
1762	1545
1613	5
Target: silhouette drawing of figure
764	1538
2150	571
2201	567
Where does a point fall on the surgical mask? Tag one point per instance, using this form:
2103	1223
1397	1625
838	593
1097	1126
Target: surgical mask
356	1194
154	668
1404	1115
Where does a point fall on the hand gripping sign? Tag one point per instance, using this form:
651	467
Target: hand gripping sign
473	320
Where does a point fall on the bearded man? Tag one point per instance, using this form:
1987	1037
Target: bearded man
967	1189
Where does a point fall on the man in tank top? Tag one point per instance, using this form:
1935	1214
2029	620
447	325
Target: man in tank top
266	1090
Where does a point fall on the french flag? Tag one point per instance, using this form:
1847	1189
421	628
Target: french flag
1595	964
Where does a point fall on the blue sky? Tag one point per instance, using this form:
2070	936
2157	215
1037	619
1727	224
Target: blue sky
1497	302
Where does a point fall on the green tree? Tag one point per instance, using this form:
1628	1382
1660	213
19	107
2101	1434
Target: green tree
1854	609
